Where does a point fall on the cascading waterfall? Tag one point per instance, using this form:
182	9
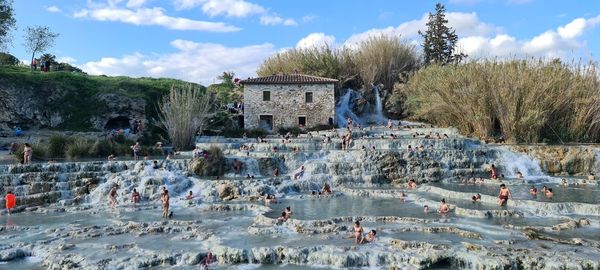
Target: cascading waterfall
513	162
344	109
378	115
597	162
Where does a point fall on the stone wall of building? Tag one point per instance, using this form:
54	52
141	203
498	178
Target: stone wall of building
288	103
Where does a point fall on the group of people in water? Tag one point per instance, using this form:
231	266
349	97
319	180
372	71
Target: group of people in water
136	198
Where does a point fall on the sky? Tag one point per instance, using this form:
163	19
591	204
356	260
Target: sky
196	40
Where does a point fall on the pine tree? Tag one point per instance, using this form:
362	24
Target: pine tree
439	41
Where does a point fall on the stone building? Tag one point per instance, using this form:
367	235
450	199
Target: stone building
288	100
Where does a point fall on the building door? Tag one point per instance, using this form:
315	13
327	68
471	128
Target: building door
266	122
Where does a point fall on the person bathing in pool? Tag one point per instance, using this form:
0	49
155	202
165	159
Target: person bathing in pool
504	195
370	238
533	191
288	212
444	209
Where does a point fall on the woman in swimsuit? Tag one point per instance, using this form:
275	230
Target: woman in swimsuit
27	153
358	231
165	202
112	197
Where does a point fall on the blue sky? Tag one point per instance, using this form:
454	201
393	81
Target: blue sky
196	40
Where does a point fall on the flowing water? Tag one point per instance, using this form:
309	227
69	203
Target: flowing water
64	220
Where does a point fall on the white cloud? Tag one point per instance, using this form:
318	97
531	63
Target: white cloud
192	61
316	40
231	8
135	3
276	20
465	24
236	8
480	39
152	16
53	9
309	18
66	59
550	43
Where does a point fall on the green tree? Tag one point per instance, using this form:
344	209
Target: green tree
48	58
8	59
7	22
37	39
439	40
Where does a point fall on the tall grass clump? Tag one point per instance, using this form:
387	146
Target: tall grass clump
184	112
526	101
376	60
57	145
78	148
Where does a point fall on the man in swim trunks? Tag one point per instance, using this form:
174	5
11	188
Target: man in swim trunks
504	195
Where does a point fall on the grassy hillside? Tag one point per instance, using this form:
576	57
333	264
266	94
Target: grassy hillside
77	101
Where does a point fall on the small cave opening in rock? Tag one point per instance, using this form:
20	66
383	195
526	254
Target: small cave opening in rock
116	123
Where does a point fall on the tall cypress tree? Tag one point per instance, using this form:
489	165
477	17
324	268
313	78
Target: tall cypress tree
439	40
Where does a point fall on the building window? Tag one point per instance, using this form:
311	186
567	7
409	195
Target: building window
266	95
308	97
302	121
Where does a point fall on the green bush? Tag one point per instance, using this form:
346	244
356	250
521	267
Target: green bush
78	148
320	127
255	133
293	130
57	146
8	59
213	165
103	148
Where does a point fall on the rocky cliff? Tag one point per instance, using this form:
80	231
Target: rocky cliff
73	101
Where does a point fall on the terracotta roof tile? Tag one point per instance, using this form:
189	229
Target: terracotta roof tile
289	79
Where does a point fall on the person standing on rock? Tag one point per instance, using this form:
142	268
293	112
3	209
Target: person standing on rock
137	148
11	201
112	197
165	203
358	232
27	153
